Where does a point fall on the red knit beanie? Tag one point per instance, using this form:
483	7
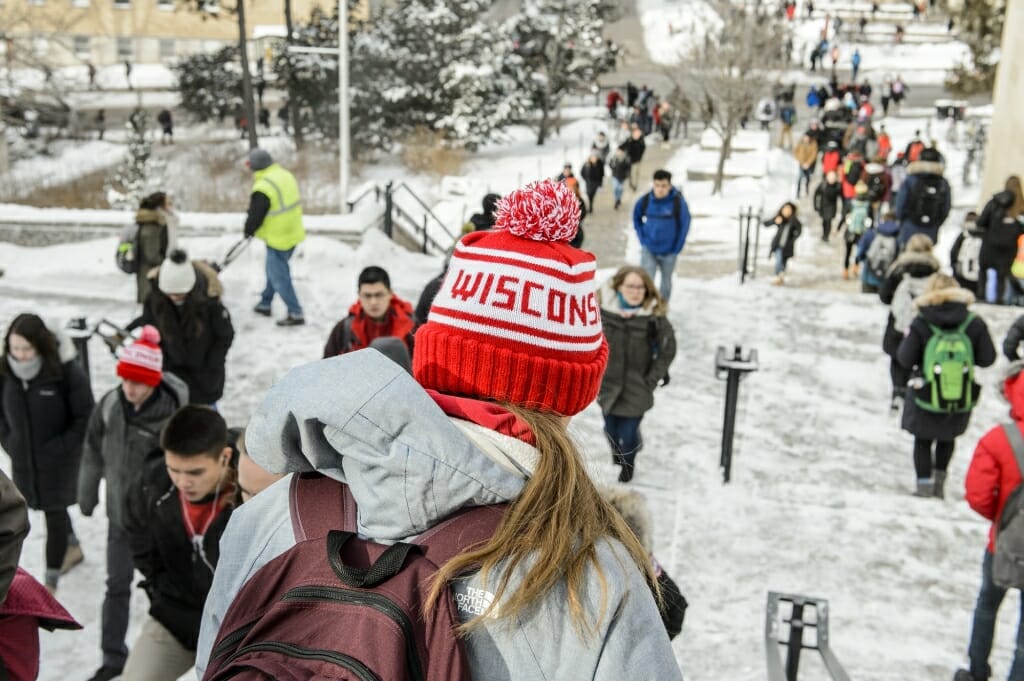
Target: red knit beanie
516	319
142	361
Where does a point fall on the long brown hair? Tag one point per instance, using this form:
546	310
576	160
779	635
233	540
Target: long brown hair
34	330
554	527
652	298
1013	185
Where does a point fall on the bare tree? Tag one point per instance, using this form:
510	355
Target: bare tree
733	65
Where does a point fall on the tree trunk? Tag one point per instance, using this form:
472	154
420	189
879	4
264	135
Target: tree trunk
545	123
723	155
250	106
293	105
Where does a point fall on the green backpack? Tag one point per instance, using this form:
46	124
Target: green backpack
948	371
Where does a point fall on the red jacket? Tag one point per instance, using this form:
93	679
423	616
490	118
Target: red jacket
28	607
357	331
830	161
993	473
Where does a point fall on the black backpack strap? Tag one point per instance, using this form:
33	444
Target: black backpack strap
1013	434
644	202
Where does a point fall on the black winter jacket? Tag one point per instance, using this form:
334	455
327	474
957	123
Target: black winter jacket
592	174
827	198
178	576
620	167
640	350
634	148
945	309
195	338
918	265
786	235
1011	345
999	232
42	428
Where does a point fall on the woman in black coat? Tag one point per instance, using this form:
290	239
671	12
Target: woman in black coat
45	402
907	276
641	346
943	305
788	230
1000	226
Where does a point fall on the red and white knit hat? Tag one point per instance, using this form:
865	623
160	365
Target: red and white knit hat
142	361
516	319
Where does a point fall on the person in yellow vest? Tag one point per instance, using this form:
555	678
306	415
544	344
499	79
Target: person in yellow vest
275	216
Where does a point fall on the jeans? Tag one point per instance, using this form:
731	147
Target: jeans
617	188
652	262
623	433
984	628
116	602
780	261
279	281
804	181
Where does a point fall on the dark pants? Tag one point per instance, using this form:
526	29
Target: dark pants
983	629
850	242
623	433
58	532
804	180
924	461
591	193
899	376
826	228
120	572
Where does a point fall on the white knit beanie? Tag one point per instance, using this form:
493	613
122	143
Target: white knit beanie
177	275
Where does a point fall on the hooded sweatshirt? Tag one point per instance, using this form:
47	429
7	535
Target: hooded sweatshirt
409	465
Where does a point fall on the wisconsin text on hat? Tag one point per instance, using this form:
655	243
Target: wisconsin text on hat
525	296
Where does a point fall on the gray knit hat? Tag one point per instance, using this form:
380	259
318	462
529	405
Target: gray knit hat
259	159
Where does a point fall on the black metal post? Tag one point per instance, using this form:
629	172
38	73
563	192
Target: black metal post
732	370
389	204
424	233
757	242
80	333
796	641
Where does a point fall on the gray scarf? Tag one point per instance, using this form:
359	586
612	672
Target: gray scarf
27	370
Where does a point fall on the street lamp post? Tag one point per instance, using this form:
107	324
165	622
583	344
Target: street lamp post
343	118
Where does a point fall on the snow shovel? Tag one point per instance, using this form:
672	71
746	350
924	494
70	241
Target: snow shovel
113	336
232	254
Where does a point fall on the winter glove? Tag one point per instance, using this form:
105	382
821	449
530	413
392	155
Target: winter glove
665	380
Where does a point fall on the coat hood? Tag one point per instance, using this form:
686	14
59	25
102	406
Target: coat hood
1013	389
916	264
146	215
361	419
208	282
608	299
632	506
889	228
1004	199
944	295
926	168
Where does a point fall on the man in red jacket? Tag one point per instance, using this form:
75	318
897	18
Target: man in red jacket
992	476
378	313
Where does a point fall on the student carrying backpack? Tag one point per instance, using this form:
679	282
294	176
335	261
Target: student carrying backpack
965	255
943	345
877	251
903	282
417	469
924	200
993	490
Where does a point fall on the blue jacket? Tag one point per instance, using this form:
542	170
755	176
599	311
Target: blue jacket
886	228
659	231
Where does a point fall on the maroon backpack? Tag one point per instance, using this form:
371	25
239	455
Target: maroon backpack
335	606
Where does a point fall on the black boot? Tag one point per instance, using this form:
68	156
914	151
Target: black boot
628	467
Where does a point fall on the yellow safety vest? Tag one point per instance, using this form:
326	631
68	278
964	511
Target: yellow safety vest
282	227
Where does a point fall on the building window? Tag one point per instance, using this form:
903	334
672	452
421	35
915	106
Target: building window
124	48
82	46
167	49
122	4
165	4
79	3
211	6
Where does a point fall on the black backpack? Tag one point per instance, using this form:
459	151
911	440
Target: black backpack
926	204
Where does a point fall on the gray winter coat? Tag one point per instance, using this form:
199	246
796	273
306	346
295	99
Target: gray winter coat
363	420
640	350
118	441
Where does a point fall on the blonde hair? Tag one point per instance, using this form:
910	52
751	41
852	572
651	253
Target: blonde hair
939	281
920	243
553	530
652	298
1013	185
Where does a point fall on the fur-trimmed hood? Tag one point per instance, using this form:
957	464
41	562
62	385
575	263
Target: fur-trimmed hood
150	215
207	276
926	168
944	295
632	506
910	261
